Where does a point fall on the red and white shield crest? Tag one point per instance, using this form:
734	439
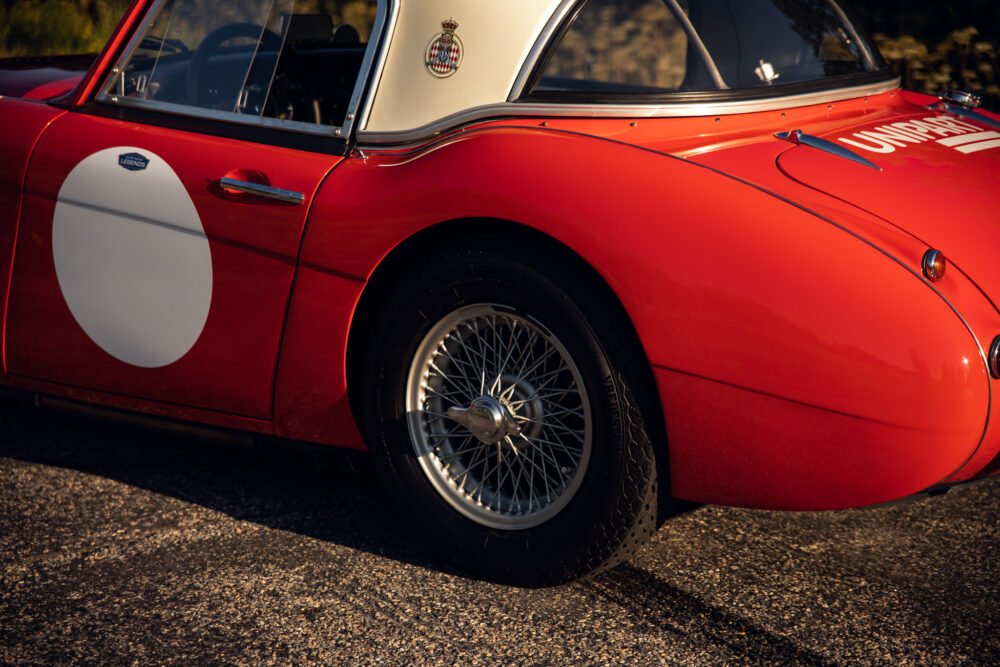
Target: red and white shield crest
444	55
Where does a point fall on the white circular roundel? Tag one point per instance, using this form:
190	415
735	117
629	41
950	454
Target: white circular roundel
132	258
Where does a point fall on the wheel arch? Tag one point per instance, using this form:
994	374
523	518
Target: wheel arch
466	231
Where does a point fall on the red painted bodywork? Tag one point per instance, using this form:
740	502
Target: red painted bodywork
23	124
741	300
254	245
802	360
52	89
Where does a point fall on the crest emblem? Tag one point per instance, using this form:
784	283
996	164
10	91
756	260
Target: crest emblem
444	55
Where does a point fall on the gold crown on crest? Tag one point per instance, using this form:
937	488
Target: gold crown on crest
449	25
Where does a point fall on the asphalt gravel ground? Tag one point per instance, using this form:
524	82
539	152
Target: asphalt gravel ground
120	545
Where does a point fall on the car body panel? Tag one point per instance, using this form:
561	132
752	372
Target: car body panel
53	89
934	219
741	306
311	392
41	78
802	359
916	180
253	245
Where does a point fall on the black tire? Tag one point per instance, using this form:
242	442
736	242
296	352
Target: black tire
612	508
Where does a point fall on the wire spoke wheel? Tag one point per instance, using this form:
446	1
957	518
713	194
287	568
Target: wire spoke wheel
502	410
499	416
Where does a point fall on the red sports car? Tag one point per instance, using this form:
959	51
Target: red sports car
553	262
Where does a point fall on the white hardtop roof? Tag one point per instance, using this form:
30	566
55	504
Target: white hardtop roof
497	38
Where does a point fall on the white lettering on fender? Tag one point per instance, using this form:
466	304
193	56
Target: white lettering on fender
973	143
887	138
879	147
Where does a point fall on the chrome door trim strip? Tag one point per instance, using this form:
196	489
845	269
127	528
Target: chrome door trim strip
679	110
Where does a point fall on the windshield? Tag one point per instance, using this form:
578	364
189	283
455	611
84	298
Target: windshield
666	46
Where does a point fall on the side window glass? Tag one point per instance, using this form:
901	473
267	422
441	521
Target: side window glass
759	43
615	48
624	46
325	44
281	59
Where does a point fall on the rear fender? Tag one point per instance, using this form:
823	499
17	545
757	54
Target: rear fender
799	365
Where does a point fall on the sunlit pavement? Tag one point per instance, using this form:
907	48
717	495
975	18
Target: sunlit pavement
123	545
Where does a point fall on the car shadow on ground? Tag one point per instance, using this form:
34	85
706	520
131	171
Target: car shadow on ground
319	492
334	496
661	608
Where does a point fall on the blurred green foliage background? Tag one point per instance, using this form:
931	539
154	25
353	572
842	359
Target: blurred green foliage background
938	45
45	27
933	45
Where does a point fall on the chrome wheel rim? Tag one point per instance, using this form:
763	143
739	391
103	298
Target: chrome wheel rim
499	417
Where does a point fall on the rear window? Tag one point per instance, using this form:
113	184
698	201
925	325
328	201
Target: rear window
612	47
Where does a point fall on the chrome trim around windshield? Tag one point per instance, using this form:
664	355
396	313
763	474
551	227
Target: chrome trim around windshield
376	43
104	92
679	110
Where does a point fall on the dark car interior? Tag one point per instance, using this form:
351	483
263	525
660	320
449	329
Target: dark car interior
308	75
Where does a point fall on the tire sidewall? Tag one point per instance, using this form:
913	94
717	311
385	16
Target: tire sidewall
469	277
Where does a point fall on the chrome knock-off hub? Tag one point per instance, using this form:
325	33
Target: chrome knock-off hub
499	416
487	419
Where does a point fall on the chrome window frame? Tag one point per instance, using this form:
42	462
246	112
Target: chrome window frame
548	33
551	32
360	109
377	45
